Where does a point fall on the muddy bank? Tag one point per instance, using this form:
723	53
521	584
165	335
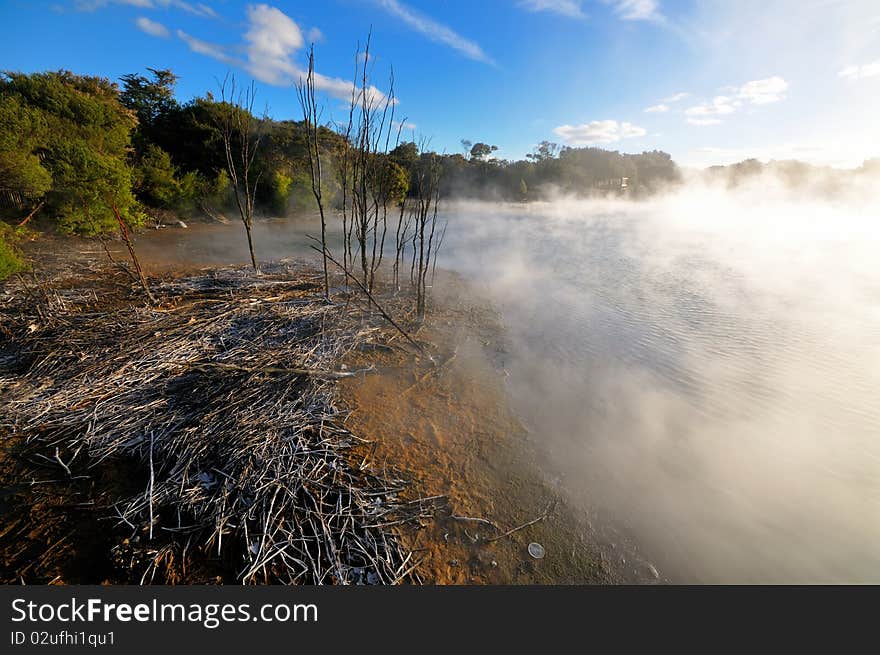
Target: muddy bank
446	429
451	429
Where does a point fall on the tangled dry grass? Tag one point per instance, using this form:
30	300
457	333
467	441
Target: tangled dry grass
223	399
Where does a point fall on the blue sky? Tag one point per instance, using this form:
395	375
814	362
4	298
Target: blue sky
710	81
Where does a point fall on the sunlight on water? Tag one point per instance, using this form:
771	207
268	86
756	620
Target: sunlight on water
701	368
704	367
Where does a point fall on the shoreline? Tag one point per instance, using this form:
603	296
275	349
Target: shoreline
451	434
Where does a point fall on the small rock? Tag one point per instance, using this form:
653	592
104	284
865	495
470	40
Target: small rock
536	550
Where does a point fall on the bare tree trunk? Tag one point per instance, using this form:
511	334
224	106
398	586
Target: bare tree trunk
241	140
32	214
308	102
123	231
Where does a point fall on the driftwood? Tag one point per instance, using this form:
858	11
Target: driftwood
32	214
228	408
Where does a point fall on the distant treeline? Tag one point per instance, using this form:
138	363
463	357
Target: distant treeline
816	180
74	145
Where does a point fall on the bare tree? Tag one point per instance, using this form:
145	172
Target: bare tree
241	133
371	182
366	173
426	206
311	116
126	237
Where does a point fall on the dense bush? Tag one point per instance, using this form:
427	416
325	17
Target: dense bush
10	260
78	132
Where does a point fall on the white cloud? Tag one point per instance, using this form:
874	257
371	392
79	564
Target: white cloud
206	48
314	35
637	9
607	131
763	92
152	28
677	97
664	105
272	40
435	31
272	37
92	5
718	106
197	9
861	72
625	9
756	92
569	8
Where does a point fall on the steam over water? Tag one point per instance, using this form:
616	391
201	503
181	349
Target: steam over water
705	368
702	368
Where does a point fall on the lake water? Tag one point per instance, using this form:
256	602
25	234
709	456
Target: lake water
703	369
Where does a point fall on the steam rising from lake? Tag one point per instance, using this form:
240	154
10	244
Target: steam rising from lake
703	367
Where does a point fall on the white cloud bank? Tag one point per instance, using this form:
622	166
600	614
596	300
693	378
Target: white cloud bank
271	42
595	132
152	27
861	72
763	92
657	109
756	92
435	31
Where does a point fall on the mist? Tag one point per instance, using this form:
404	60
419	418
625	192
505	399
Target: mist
700	368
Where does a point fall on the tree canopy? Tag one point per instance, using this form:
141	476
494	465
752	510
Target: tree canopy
82	143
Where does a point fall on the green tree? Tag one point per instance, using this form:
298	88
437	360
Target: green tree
149	98
481	151
84	147
156	178
543	151
10	261
22	135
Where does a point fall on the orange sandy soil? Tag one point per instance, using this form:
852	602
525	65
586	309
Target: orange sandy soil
450	430
447	428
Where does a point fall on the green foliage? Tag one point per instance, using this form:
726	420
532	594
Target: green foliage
10	261
481	151
393	181
543	151
83	142
279	185
85	185
149	98
405	155
156	178
22	132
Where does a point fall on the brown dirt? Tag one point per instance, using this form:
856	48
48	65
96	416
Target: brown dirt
450	429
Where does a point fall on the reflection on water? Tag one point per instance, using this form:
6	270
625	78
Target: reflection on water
703	368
